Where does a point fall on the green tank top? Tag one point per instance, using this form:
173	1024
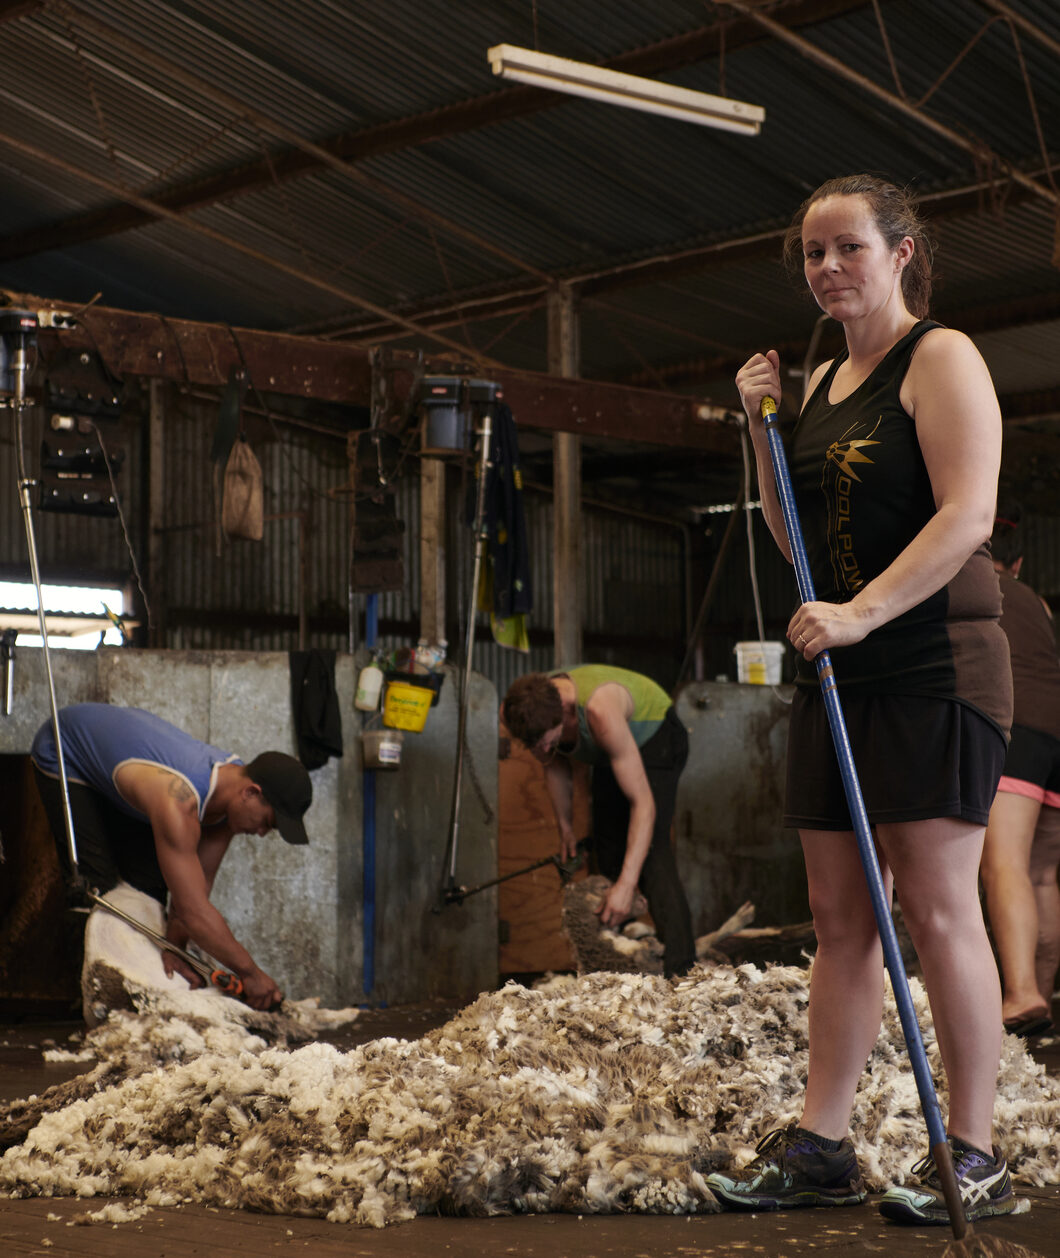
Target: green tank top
650	705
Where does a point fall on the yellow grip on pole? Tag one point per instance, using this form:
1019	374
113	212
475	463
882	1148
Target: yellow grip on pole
769	407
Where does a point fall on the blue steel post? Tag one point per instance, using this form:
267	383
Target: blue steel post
371	635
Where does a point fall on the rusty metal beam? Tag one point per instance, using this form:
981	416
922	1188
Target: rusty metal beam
389	137
595	409
201	354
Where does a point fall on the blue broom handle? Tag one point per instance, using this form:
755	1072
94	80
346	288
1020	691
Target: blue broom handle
852	788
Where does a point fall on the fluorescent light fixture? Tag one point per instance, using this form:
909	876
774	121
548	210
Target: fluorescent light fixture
580	79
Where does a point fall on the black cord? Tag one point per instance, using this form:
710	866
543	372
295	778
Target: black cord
121	520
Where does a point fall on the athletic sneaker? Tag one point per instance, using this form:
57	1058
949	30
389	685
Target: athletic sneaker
791	1169
986	1188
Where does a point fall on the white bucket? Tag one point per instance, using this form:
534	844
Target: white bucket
382	748
759	662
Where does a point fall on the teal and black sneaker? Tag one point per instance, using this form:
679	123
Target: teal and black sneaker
791	1169
983	1179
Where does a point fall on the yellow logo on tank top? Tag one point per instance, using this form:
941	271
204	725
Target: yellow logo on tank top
842	455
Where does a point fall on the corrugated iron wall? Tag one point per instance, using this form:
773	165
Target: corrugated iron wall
242	594
634	602
643	578
67	544
219	594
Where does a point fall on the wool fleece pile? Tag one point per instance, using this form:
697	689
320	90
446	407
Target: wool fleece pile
600	1093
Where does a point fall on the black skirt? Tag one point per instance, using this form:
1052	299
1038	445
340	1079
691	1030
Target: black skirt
917	757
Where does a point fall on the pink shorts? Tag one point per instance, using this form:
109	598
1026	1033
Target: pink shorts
1032	766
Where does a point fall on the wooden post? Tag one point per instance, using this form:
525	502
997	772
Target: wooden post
156	513
563	356
432	549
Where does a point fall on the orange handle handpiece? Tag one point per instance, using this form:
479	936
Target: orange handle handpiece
232	984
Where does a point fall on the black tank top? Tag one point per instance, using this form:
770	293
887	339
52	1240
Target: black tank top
863	494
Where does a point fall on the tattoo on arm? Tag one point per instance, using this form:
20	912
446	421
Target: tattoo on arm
178	788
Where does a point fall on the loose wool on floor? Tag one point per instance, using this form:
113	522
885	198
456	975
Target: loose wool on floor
603	1093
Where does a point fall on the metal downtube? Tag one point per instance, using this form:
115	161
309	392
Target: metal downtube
20	369
469	647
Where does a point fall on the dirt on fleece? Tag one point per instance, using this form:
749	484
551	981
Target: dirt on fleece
604	1092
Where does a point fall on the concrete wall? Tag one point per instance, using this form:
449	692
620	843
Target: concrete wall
300	911
731	843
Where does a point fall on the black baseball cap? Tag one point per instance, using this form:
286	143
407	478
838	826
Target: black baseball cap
285	784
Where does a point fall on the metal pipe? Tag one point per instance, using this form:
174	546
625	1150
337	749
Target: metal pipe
450	886
368	835
20	371
7	657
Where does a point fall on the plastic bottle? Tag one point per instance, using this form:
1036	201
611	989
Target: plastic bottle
369	687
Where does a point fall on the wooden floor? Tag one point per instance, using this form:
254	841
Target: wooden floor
49	1228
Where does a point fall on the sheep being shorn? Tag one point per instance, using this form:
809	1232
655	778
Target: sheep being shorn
601	1093
634	948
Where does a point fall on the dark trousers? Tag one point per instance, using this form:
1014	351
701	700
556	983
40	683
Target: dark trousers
111	845
664	756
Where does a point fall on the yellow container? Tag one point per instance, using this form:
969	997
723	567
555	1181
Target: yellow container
759	662
405	706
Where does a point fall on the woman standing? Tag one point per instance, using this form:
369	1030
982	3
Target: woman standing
895	458
1020	854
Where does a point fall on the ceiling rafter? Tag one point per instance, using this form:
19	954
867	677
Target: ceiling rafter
1024	24
502	300
209	233
355	146
993	316
278	130
977	149
512	300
